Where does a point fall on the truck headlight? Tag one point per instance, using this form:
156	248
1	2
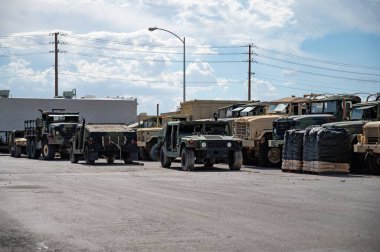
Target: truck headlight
203	145
248	130
229	144
57	132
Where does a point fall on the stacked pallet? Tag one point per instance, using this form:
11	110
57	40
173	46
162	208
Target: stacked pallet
326	150
292	151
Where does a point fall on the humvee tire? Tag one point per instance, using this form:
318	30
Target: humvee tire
187	159
235	161
73	158
165	161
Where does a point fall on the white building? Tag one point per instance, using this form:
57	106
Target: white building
14	111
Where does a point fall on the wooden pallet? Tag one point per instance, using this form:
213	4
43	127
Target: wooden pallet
320	167
291	165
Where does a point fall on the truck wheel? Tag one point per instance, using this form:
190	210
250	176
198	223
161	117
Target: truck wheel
110	159
17	152
142	154
165	161
264	154
87	156
73	158
48	151
274	157
209	162
235	161
373	163
11	152
28	152
34	152
153	153
187	159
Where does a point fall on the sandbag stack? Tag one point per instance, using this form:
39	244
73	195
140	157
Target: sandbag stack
326	150
292	150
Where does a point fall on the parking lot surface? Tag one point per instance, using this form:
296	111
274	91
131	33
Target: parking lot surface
59	206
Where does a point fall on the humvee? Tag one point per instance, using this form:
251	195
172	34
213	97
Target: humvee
17	143
200	142
110	141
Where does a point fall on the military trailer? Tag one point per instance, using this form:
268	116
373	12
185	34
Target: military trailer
369	145
197	142
110	141
50	133
17	143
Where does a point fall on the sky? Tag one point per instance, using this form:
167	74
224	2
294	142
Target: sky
106	50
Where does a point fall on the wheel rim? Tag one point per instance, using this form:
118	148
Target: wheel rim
46	150
274	155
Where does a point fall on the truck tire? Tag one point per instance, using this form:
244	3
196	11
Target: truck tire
209	162
28	151
142	154
153	153
17	152
274	157
372	163
34	152
165	161
187	159
87	156
235	161
48	151
73	158
110	159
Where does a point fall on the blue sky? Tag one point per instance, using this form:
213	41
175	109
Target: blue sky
299	47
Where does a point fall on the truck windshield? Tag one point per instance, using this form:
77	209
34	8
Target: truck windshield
271	108
356	114
217	129
330	107
317	108
63	118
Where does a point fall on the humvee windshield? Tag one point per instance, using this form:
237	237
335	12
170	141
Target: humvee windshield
324	107
207	129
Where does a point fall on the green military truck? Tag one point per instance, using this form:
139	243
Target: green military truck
200	142
110	141
369	146
50	133
17	143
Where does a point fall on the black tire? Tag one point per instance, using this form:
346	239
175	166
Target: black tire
235	161
87	156
17	152
153	153
48	151
142	154
11	152
28	150
209	162
187	159
73	158
110	159
34	152
264	156
372	163
274	156
166	162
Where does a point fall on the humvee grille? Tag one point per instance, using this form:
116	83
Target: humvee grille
373	140
241	129
216	144
68	132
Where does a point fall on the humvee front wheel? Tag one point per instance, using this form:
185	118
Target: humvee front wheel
17	152
153	153
87	156
34	152
165	161
48	151
274	157
187	159
235	161
373	163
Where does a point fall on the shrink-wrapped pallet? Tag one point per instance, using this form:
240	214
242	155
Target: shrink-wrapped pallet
292	150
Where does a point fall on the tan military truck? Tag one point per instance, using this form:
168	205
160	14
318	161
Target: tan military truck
255	131
17	143
369	144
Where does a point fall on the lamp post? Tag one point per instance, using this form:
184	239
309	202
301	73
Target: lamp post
184	57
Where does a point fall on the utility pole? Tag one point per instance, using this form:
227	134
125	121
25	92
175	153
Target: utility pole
56	63
249	72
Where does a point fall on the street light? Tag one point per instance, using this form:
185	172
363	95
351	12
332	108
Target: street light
184	57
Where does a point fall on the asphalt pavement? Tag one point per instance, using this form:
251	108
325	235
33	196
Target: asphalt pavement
59	206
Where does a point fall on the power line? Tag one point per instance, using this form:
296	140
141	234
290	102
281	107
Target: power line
318	67
316	60
23	54
318	74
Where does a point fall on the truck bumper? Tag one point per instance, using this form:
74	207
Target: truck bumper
363	148
275	143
